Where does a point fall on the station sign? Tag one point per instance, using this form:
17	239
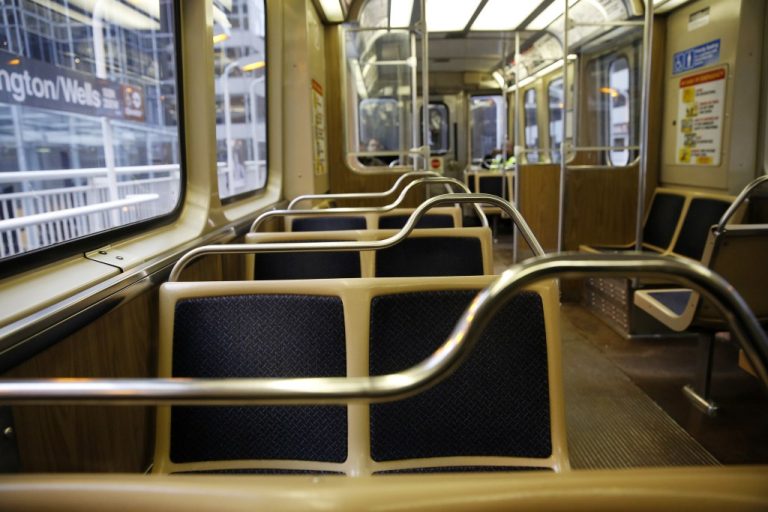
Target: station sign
696	57
33	83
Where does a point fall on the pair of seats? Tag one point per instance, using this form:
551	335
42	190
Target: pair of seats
739	254
501	411
425	252
447	217
677	222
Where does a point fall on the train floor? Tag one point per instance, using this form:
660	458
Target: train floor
624	400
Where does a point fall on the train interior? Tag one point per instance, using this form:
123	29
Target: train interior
369	254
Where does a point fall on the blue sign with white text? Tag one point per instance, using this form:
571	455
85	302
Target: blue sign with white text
696	57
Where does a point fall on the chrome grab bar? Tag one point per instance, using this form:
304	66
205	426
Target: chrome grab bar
361	195
417	214
370	209
436	367
743	195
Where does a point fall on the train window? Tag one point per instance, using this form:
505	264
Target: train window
378	128
89	128
240	70
618	110
531	126
555	95
438	128
487	125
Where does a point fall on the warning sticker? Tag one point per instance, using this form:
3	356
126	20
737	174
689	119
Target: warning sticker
700	118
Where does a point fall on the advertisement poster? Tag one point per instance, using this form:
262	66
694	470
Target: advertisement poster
318	123
700	118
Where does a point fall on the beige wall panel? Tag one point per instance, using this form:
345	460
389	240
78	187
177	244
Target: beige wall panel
304	54
121	343
737	24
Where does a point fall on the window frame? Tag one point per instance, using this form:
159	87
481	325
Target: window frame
447	125
22	262
609	63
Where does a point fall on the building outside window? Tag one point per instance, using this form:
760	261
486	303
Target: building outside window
240	68
89	129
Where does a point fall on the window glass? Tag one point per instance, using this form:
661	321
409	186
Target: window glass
89	135
617	95
555	95
487	126
379	79
240	71
531	126
378	129
439	139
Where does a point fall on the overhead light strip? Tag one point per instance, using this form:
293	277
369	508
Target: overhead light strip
400	13
504	14
450	15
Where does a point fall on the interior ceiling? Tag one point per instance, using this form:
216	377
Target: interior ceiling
471	52
472	49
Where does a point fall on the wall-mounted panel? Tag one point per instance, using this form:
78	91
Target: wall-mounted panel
713	63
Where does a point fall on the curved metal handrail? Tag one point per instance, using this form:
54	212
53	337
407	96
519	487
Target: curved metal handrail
435	368
370	209
365	245
361	195
743	195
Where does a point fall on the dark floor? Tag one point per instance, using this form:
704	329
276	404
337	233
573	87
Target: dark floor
660	367
738	434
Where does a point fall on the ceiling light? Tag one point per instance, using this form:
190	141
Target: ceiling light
332	10
400	13
504	15
449	15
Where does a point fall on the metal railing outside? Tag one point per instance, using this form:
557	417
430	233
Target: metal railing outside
78	203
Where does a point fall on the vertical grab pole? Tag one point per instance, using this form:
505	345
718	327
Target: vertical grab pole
517	112
415	100
425	82
561	212
644	135
505	124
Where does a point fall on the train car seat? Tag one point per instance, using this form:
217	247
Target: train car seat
502	411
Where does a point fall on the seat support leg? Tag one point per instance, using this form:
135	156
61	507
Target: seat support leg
699	392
